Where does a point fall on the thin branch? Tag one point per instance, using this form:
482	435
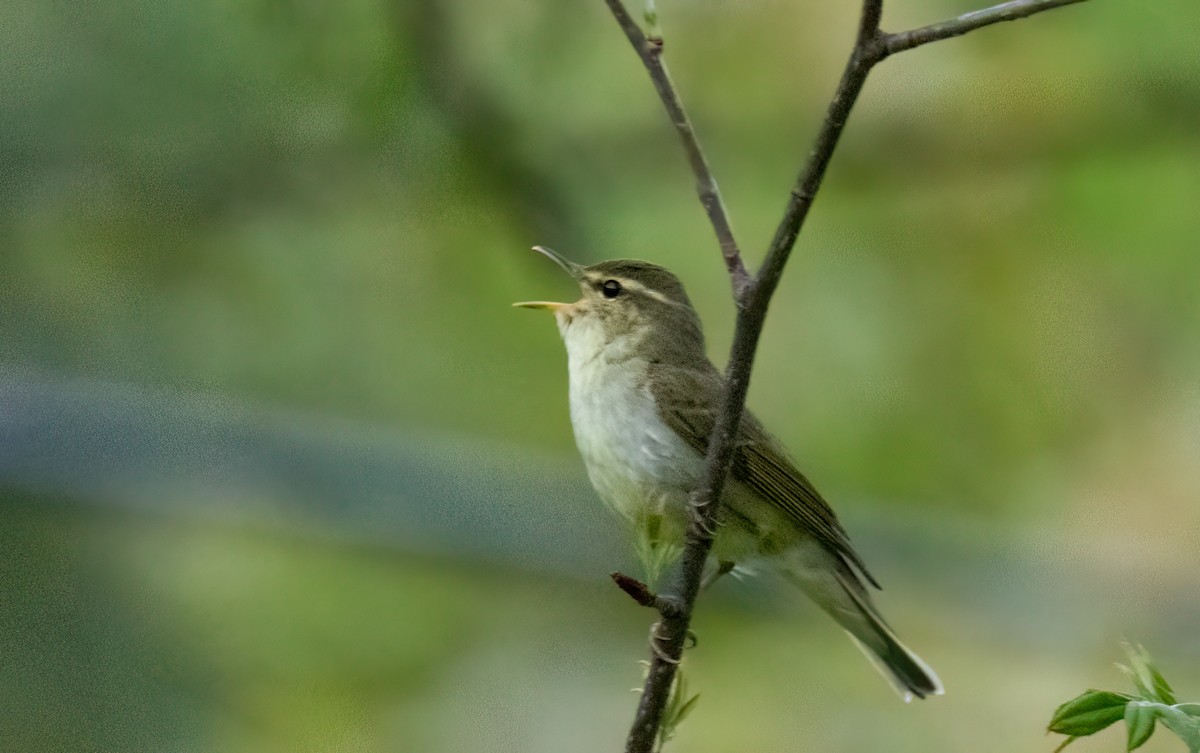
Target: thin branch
955	27
753	296
871	48
752	309
650	51
866	53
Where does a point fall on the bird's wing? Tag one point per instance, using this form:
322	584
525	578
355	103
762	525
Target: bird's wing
760	461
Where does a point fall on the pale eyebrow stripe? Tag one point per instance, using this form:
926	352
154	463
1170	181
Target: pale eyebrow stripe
633	286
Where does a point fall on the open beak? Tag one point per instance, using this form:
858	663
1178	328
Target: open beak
568	266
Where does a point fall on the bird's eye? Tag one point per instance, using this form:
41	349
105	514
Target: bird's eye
611	288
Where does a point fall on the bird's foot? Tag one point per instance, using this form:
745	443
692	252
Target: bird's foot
699	524
690	641
723	568
656	649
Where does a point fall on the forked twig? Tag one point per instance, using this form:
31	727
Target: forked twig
752	294
956	27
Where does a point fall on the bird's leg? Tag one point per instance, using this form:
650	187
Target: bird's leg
723	567
699	524
698	518
654	639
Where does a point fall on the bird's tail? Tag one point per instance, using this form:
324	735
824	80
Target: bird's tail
828	581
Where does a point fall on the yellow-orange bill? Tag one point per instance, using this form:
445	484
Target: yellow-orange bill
551	305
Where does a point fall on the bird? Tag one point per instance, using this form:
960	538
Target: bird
643	398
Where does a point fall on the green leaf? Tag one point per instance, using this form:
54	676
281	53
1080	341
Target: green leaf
1184	721
1149	681
1139	719
1065	743
1089	713
1165	693
679	705
686	709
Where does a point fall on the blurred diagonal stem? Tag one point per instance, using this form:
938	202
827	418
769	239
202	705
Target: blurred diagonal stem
752	295
479	123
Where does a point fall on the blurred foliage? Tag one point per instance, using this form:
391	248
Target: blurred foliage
303	204
985	352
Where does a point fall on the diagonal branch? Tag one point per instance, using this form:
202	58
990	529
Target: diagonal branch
956	27
866	53
650	49
753	296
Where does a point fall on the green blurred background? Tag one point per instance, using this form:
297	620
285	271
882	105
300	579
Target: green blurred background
281	471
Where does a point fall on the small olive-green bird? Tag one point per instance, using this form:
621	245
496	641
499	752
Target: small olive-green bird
644	397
